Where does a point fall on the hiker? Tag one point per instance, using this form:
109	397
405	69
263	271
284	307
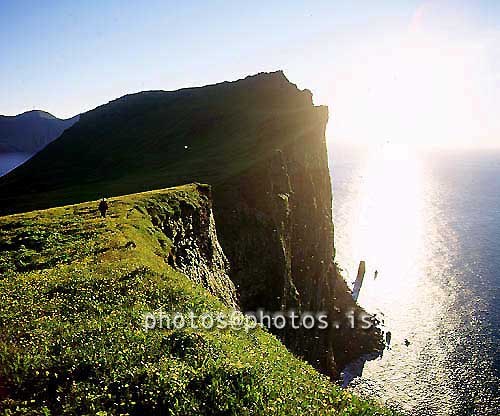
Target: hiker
388	337
103	207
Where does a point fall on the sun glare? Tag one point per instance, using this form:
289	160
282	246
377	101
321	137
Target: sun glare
429	84
387	232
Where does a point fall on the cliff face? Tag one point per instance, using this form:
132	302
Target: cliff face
260	143
191	244
278	233
275	224
31	131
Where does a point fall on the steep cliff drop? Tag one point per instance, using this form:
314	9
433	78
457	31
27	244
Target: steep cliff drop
275	222
260	143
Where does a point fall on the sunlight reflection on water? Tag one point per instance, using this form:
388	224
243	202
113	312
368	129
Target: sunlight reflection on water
391	215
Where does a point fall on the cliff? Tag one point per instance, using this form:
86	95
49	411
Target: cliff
260	143
74	288
31	131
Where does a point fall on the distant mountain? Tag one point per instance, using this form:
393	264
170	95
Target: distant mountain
31	131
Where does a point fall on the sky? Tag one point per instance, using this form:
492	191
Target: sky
425	73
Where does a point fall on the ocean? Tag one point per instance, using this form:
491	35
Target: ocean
429	224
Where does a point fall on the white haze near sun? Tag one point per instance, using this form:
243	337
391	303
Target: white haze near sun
432	82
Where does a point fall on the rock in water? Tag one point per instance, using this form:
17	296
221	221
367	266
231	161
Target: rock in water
359	280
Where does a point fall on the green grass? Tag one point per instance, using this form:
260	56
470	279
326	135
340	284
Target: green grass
158	139
72	291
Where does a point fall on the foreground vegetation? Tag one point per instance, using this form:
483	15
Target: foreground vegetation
73	287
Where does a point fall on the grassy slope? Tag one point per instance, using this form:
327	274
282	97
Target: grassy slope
158	139
71	295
